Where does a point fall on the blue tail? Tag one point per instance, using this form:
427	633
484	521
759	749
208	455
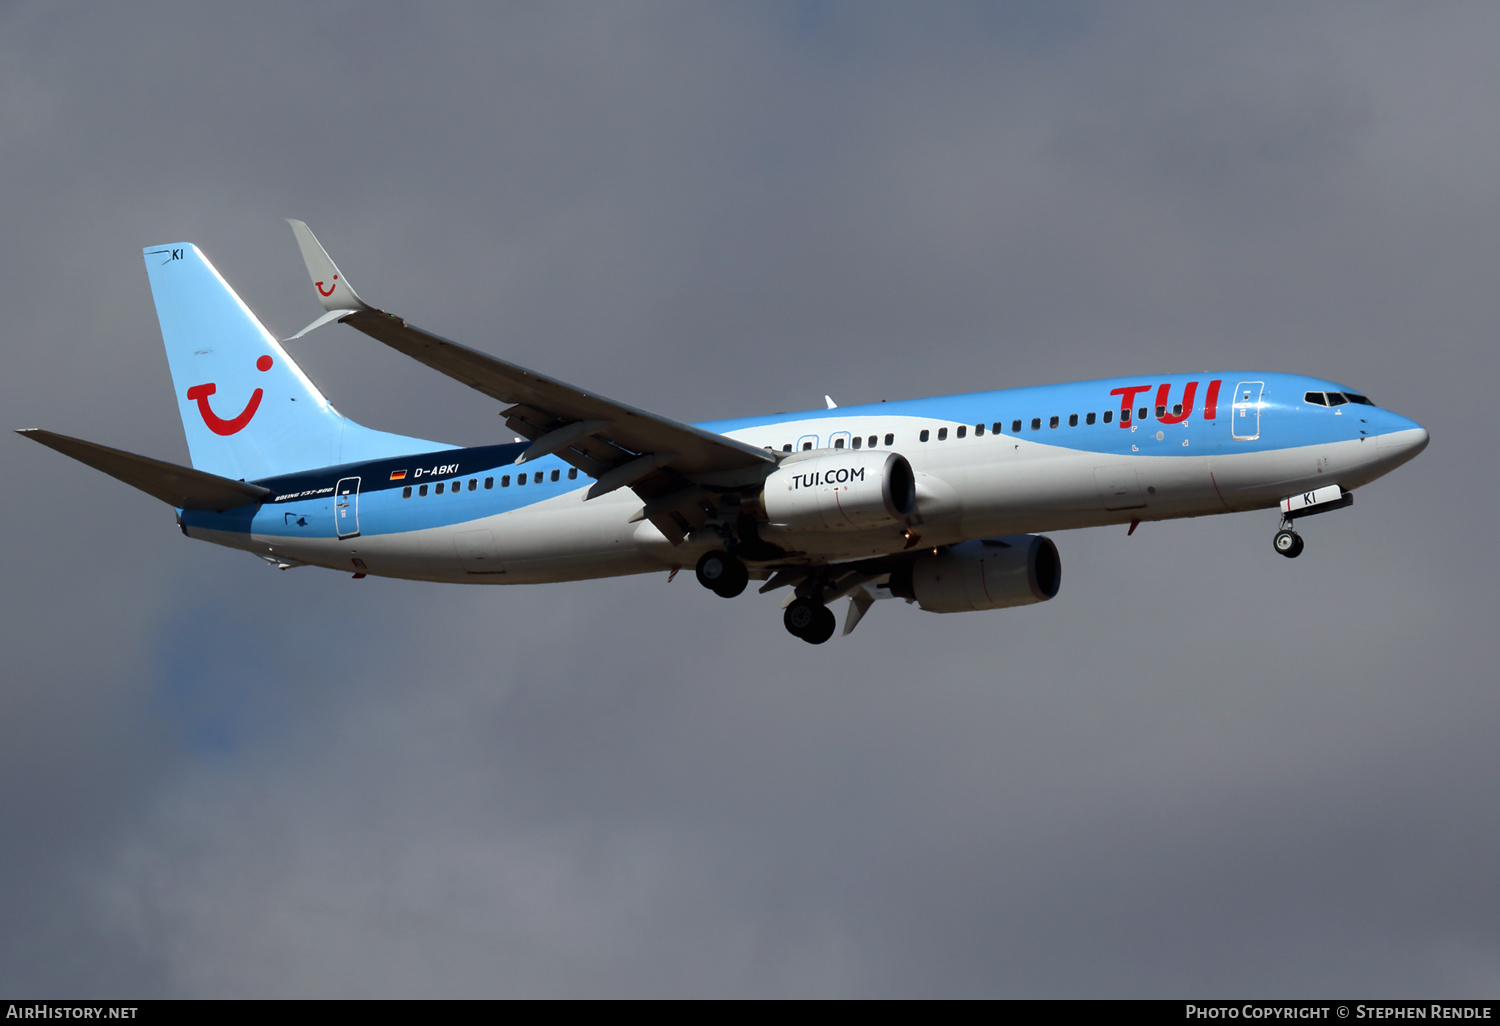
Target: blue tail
248	410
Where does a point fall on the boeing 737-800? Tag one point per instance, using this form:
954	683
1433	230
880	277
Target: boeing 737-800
938	501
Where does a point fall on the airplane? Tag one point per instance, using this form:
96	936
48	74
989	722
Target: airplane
939	501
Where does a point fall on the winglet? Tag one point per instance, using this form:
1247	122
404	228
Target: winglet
334	290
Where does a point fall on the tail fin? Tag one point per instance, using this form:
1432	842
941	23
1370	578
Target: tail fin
248	410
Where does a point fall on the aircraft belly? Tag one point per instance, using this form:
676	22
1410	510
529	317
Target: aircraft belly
1255	480
558	539
1077	489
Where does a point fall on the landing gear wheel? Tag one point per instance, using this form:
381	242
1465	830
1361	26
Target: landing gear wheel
722	574
1288	543
811	621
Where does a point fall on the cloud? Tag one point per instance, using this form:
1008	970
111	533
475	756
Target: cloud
1201	769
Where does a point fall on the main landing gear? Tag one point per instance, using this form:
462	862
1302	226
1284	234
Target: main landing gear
811	621
722	573
807	618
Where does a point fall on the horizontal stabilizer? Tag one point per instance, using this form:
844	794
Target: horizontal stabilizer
176	486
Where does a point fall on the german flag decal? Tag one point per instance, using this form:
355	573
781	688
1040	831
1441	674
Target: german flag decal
398	475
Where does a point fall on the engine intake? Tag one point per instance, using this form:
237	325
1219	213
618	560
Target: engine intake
841	491
990	574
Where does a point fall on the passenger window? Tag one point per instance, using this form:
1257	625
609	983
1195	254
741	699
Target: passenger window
858	441
942	434
1315	398
806	446
1089	419
556	474
838	443
1015	427
473	483
1109	415
406	492
505	481
1336	399
458	486
874	439
963	429
1124	417
1036	423
1072	420
924	435
995	427
787	447
1052	422
1177	410
438	488
1161	411
1142	413
978	430
489	482
422	490
890	439
572	473
520	479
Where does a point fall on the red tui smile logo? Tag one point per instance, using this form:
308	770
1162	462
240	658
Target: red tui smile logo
331	286
217	424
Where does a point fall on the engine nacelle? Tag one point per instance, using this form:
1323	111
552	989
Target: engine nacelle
841	491
989	574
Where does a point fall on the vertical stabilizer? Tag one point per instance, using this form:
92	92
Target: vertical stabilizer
248	410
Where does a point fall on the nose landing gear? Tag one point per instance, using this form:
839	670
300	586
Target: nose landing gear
1288	543
1320	500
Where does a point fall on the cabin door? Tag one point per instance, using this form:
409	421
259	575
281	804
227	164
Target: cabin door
1245	417
346	507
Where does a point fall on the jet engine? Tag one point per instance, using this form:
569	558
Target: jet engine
989	574
841	491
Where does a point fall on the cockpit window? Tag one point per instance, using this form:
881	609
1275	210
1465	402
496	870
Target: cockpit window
1336	399
1362	400
1316	398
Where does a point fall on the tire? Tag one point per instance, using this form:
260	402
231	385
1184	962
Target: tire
732	582
800	617
1288	543
712	566
811	621
823	625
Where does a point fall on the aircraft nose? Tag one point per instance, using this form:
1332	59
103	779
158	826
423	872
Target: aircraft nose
1402	441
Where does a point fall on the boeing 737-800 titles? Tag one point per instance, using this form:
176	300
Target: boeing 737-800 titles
938	501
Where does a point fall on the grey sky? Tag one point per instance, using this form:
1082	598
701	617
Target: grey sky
1202	770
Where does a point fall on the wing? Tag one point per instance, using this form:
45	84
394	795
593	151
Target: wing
680	471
